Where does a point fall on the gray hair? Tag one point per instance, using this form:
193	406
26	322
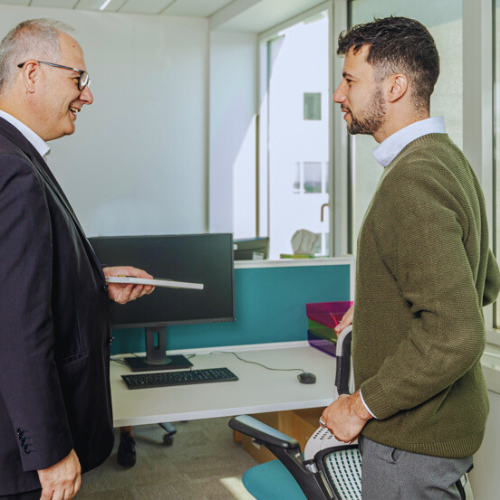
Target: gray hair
32	39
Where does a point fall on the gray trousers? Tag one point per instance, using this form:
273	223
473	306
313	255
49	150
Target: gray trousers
393	474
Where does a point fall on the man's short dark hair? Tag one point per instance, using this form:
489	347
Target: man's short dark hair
397	45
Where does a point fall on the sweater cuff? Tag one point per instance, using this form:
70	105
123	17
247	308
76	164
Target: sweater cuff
366	406
376	399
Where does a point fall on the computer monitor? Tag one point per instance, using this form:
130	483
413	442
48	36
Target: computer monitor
251	248
195	258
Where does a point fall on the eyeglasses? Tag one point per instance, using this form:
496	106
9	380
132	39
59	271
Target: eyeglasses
83	81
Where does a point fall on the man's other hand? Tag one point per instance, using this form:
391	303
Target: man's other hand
346	417
346	321
123	293
61	481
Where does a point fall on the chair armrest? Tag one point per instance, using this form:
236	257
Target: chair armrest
262	433
343	354
287	450
343	347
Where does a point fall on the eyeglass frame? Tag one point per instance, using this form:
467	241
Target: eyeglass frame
81	85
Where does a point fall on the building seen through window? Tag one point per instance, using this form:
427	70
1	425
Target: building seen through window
294	136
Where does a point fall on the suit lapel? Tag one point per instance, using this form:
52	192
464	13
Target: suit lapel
17	138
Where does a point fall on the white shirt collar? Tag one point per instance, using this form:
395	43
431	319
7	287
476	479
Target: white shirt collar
36	141
387	150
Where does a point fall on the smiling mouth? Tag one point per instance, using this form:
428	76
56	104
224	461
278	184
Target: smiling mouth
74	110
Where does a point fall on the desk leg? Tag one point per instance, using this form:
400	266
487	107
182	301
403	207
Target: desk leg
285	423
168	438
237	437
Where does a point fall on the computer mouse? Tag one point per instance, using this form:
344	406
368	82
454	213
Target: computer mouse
307	378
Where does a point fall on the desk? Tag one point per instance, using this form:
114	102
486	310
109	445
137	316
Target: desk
257	391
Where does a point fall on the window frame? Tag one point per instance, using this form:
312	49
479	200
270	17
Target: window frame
492	331
479	117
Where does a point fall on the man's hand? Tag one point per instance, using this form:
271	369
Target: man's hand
346	417
61	481
346	321
123	293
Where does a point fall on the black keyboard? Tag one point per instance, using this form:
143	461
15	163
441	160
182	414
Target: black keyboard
184	377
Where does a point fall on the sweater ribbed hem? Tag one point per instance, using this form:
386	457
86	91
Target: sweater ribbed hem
457	448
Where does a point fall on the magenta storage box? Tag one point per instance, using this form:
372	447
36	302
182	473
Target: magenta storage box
323	317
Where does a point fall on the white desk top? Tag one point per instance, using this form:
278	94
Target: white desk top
258	390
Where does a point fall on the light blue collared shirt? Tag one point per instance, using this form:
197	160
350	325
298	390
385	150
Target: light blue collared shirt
37	142
387	150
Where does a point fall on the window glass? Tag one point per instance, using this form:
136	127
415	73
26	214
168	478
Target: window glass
312	106
294	137
312	177
496	131
444	21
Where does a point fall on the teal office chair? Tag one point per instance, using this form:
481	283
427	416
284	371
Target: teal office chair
328	469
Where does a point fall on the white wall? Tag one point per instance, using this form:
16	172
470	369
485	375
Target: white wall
137	162
485	478
233	95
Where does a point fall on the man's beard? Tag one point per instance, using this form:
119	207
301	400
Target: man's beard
373	119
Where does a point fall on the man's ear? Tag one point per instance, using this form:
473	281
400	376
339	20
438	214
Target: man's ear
31	75
398	86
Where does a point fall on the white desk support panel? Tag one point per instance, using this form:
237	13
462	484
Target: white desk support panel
257	391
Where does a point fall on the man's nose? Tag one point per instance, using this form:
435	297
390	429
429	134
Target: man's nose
86	96
339	96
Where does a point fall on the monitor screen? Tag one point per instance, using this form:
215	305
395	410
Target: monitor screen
199	258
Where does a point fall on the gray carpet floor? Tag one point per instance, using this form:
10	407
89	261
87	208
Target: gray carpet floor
204	463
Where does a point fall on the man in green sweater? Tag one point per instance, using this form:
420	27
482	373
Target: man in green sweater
424	272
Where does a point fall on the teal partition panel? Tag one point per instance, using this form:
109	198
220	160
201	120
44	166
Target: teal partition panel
270	306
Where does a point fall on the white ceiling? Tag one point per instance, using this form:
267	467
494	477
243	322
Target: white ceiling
252	16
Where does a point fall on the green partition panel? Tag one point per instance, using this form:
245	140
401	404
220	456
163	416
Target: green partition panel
270	306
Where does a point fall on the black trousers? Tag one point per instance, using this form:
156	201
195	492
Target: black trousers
27	495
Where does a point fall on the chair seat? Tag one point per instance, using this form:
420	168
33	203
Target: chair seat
272	481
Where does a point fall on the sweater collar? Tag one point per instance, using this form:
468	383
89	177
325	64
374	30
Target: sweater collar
387	150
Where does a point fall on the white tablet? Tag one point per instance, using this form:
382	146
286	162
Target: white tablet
154	282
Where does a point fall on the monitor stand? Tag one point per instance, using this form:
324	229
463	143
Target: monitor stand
156	354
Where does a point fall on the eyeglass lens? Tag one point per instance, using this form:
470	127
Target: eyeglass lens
84	80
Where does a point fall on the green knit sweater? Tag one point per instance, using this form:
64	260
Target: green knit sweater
424	271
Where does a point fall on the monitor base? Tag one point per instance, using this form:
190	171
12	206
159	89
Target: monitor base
140	364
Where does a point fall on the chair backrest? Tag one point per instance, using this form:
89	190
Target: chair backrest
342	467
340	463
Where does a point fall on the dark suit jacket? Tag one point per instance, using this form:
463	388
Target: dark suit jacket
54	325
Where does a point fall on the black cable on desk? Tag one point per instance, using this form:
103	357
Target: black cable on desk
258	364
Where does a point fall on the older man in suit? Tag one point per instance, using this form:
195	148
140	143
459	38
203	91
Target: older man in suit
55	408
